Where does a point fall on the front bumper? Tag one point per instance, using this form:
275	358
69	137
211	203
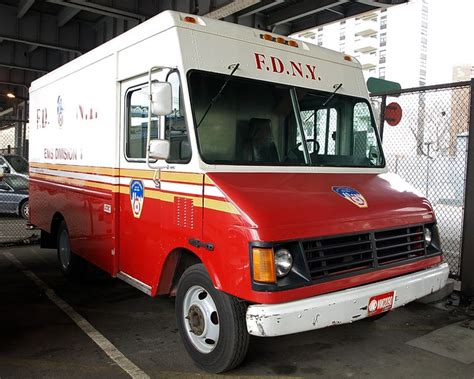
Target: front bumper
340	307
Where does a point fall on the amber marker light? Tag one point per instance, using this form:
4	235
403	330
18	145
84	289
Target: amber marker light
348	58
267	37
280	40
263	265
190	19
293	43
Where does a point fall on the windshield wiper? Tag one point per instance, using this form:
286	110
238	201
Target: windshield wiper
215	98
336	88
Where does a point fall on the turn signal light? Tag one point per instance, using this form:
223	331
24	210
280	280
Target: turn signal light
190	19
263	265
283	41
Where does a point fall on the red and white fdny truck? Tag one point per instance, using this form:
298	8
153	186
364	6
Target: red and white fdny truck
238	170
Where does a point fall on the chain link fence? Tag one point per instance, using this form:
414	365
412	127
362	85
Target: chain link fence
14	205
428	148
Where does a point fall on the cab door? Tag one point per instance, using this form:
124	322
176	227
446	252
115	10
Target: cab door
150	217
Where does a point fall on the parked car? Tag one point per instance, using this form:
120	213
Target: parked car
14	196
14	164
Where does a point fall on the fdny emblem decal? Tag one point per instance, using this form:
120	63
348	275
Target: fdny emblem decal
137	195
351	194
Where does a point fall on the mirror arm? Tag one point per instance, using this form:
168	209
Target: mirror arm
150	99
157	173
157	178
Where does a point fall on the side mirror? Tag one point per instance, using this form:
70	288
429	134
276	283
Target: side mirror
6	169
161	99
159	149
2	173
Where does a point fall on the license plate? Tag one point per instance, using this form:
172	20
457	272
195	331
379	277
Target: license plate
380	303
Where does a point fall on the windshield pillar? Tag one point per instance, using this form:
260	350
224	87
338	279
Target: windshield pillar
299	123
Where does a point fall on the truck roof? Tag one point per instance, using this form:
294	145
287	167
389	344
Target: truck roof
169	19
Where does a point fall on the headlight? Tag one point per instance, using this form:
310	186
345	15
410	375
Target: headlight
283	262
428	236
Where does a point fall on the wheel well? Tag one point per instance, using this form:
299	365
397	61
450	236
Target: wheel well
176	263
48	240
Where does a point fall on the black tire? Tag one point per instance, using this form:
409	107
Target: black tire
25	209
231	346
70	264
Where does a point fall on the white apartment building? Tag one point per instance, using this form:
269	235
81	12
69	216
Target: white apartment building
390	43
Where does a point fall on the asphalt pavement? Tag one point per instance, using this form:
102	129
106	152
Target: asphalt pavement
50	327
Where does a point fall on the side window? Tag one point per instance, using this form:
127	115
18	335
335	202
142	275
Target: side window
4	186
175	124
364	138
326	130
137	123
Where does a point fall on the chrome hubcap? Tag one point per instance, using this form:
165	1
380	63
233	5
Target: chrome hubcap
201	319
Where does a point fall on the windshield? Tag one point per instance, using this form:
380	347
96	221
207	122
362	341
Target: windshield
261	123
18	163
18	183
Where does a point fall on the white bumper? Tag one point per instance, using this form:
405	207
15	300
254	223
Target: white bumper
340	307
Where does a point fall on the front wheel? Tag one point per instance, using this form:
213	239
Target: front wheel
211	323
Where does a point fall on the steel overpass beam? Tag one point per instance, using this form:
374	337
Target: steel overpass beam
40	44
99	9
300	10
24	6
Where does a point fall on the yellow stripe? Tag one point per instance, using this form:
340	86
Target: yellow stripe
182	177
75	182
82	169
219	205
164	196
208	180
139	174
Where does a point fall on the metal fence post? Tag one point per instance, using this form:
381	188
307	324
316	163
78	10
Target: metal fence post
382	116
467	251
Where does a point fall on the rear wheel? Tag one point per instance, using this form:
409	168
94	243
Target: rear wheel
211	323
70	264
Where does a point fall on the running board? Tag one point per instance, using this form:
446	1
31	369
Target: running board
134	282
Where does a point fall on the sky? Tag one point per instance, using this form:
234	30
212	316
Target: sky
450	32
